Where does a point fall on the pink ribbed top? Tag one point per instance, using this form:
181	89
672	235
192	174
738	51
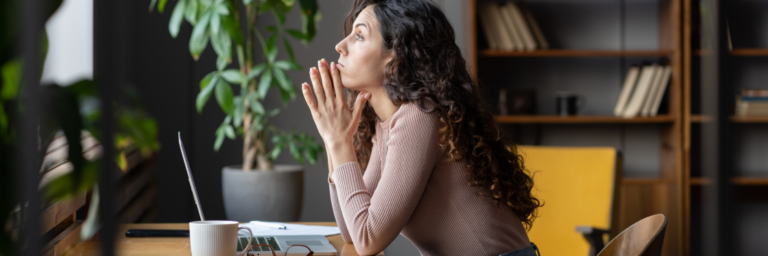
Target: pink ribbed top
411	187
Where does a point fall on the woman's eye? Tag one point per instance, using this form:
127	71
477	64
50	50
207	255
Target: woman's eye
358	37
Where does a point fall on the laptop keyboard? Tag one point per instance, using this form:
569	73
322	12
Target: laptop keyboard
258	240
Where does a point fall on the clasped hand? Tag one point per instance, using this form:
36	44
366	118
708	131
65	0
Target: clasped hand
335	121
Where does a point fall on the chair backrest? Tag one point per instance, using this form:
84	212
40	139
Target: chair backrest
644	238
577	186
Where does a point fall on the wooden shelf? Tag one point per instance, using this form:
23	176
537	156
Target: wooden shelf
750	180
700	181
736	52
552	119
749	52
646	181
749	119
700	119
735	119
574	53
742	181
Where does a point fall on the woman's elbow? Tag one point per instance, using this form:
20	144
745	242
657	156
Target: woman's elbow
368	249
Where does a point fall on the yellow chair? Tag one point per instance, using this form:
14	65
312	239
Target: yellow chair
578	186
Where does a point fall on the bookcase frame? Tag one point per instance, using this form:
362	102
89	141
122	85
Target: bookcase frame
746	188
639	197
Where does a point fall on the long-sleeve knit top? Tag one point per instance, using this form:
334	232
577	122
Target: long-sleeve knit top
413	188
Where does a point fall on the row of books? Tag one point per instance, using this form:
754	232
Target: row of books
510	27
752	102
643	91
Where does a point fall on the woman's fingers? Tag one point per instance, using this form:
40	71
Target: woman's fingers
359	102
325	76
319	91
308	97
337	86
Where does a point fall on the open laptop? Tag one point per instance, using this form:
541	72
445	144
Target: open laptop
318	243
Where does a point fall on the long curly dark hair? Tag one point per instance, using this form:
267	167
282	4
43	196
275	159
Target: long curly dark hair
428	69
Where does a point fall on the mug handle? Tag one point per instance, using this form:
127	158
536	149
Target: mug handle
246	249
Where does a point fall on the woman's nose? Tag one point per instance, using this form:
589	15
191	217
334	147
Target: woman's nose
340	47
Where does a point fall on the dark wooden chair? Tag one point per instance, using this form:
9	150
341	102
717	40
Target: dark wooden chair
644	238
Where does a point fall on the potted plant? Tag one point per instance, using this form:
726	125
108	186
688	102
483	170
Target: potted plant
257	189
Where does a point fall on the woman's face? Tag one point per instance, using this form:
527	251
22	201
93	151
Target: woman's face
362	57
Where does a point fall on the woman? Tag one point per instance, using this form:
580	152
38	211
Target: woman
437	168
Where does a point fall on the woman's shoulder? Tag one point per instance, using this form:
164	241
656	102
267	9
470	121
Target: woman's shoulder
410	114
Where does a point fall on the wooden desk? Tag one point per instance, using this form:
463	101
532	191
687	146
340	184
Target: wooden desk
130	246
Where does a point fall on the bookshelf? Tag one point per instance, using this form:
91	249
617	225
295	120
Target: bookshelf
750	179
612	35
553	119
574	53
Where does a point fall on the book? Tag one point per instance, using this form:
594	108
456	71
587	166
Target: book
509	24
490	31
660	92
745	92
541	41
751	107
655	84
528	42
626	90
640	92
505	39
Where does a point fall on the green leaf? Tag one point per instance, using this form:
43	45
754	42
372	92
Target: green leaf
224	96
279	14
230	132
272	48
234	76
289	49
264	83
176	17
222	44
311	155
256	70
239	110
295	152
219	140
222	8
309	20
296	34
190	13
285	84
197	45
274	112
279	142
205	93
221	62
152	5
287	65
215	23
270	28
254	104
200	35
161	6
207	79
201	26
11	73
233	28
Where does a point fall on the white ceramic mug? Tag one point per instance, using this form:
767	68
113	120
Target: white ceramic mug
214	237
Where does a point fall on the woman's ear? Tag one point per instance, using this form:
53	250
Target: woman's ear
388	56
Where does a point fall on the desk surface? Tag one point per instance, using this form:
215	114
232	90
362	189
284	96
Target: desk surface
131	246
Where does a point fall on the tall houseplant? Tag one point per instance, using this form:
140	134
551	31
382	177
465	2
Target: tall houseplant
231	28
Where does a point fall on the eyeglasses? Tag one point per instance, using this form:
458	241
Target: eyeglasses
248	249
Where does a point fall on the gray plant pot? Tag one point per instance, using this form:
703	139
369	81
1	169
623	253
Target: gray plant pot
263	195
